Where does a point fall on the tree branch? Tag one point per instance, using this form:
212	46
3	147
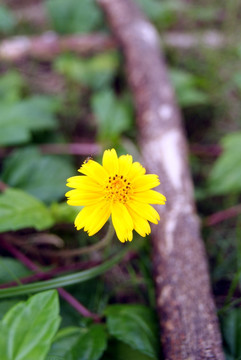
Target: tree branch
185	304
49	45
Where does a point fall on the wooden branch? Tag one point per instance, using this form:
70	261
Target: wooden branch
185	304
49	45
211	39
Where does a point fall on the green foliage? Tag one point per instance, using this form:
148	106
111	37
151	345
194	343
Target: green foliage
63	213
19	120
28	328
162	13
11	270
91	344
237	80
120	351
134	325
95	72
19	210
74	16
63	343
7	20
113	115
5	305
11	87
231	328
43	176
186	88
150	7
80	344
226	172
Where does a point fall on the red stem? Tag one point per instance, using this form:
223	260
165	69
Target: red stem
53	272
3	186
63	293
84	149
222	215
206	150
73	149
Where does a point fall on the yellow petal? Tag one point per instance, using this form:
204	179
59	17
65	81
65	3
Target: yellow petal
93	217
136	170
125	162
110	162
141	225
84	214
122	222
145	182
144	210
82	198
95	171
150	197
129	235
83	182
100	217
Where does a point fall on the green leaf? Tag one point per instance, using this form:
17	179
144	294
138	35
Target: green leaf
13	134
231	329
95	72
225	175
161	12
113	115
63	213
79	343
152	8
11	269
135	325
63	343
120	351
43	176
74	16
19	210
91	344
28	328
11	86
202	13
186	89
21	118
7	20
6	305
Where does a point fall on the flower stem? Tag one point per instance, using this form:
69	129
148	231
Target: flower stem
86	249
65	280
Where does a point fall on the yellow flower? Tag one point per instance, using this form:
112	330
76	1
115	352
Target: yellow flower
118	188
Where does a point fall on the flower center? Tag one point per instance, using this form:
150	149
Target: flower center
118	188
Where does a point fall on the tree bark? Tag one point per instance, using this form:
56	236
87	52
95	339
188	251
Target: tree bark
189	326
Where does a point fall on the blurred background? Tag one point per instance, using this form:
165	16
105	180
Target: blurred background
64	96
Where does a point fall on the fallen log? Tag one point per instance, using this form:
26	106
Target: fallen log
189	326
